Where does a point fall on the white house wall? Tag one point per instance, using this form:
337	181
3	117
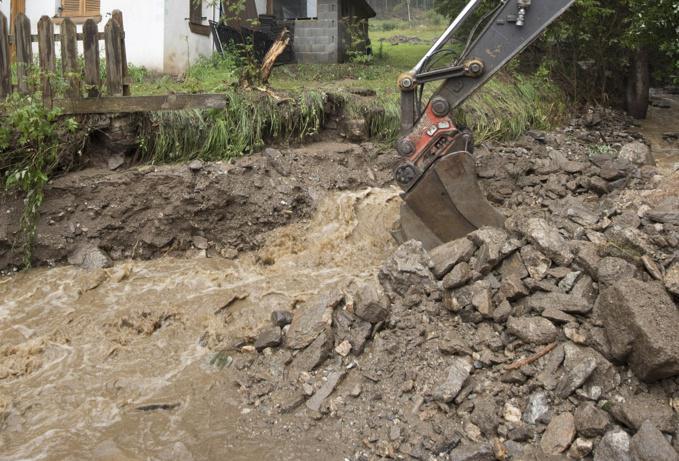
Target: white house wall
157	33
183	47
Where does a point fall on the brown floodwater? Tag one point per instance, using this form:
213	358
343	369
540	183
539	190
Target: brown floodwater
118	363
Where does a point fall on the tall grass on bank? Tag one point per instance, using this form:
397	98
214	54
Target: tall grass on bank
245	125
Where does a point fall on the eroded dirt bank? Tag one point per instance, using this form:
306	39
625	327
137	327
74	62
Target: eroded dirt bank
149	211
551	339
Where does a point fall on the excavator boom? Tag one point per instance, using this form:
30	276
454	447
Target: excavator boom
442	199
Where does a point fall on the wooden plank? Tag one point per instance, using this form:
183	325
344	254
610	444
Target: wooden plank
91	55
48	60
129	104
5	75
69	58
114	66
57	37
24	56
117	15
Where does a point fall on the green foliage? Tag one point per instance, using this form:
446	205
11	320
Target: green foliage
30	143
242	127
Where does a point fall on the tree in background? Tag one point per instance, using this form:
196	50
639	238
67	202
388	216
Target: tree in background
607	51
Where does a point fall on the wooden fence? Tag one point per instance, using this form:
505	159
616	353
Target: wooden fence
84	92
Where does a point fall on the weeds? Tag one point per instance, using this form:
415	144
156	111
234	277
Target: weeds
248	120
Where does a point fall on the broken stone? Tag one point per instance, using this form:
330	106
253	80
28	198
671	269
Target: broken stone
116	161
281	318
573	333
671	279
614	445
90	257
548	239
445	256
611	269
491	242
512	289
407	269
457	277
270	337
473	452
641	407
314	355
458	372
564	302
575	377
349	327
481	298
513	266
485	415
640	321
559	434
502	312
580	448
653	269
334	378
636	152
584	289
537	410
604	376
312	320
196	165
344	348
568	282
369	304
536	263
590	421
557	316
586	256
532	330
511	413
453	344
649	444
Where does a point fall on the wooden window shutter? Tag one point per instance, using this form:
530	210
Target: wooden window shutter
196	11
91	7
70	8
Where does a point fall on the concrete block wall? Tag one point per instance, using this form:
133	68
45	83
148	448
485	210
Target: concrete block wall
316	40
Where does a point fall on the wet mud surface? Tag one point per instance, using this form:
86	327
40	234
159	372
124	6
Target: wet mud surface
392	352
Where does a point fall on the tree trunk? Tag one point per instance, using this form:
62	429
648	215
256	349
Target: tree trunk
638	84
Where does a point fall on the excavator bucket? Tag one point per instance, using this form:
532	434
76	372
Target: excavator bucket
446	203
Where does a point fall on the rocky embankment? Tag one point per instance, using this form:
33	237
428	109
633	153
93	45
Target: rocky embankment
555	338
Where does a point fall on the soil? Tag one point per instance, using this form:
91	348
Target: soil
148	211
171	353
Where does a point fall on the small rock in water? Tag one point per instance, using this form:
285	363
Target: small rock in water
270	337
281	318
90	257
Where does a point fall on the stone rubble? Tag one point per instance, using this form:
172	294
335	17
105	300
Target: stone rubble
554	338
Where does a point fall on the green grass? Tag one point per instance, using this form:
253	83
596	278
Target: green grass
503	109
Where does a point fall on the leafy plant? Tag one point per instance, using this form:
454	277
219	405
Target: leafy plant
29	151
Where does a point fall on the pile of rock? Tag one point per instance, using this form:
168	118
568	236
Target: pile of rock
554	338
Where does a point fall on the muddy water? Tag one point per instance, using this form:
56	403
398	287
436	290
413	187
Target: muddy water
658	122
116	363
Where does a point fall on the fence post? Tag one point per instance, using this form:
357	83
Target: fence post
24	57
47	58
5	75
118	16
114	67
91	54
69	58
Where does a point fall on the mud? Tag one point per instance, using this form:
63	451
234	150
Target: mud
155	359
121	363
149	211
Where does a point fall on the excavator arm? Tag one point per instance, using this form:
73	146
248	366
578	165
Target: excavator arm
442	199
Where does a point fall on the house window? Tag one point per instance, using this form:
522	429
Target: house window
80	9
196	18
